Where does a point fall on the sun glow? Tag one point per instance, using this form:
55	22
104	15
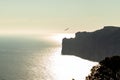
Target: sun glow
71	67
54	66
58	37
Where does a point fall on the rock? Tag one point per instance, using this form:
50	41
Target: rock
95	45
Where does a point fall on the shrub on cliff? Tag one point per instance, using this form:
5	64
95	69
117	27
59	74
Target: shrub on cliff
107	69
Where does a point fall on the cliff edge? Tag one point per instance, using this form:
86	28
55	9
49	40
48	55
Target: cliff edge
95	45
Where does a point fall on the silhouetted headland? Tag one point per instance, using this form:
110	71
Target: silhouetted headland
95	45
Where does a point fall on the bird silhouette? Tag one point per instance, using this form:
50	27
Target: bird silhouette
66	29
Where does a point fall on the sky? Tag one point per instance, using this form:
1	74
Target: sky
54	16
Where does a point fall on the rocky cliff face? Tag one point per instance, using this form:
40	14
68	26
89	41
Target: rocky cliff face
95	45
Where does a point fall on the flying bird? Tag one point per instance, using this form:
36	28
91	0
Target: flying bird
66	29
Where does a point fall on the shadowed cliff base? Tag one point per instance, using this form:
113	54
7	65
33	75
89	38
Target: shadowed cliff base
94	46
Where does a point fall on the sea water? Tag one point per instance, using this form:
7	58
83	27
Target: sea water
24	58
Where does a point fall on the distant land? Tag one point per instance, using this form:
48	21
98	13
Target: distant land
94	46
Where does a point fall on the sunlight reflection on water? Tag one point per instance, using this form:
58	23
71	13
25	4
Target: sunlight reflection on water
68	67
59	67
29	59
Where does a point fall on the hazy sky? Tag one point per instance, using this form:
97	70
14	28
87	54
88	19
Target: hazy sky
49	16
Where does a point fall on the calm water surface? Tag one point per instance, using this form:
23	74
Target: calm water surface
24	58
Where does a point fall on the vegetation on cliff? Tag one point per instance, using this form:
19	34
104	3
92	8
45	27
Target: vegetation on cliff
107	69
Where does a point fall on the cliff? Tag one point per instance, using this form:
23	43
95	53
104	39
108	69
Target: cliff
95	45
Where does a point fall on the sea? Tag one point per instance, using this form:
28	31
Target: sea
28	58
